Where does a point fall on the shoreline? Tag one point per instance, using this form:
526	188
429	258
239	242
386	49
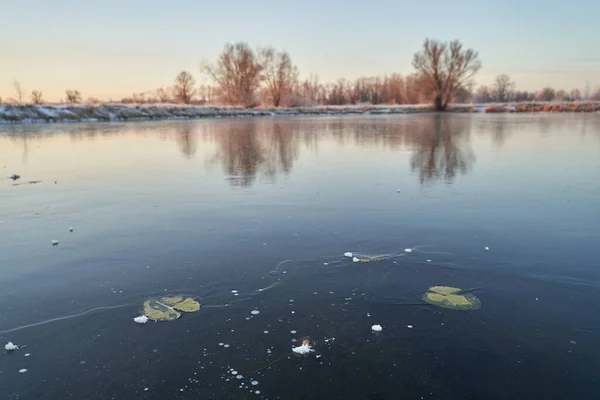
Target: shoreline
38	114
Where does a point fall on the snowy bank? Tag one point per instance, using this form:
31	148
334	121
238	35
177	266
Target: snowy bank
16	114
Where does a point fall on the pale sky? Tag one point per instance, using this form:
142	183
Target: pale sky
112	48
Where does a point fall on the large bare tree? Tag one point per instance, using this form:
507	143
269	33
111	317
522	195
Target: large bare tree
503	88
446	67
184	87
279	74
237	72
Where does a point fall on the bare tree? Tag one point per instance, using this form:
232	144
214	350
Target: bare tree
19	90
184	87
575	94
279	74
483	95
596	95
162	94
562	95
546	94
36	97
446	68
237	72
503	88
587	91
73	96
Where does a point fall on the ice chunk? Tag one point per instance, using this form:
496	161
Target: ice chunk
23	370
142	319
376	328
354	259
10	346
303	349
254	312
348	254
487	248
408	250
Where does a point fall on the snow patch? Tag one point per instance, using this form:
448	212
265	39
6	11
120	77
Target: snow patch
10	346
304	349
376	328
142	319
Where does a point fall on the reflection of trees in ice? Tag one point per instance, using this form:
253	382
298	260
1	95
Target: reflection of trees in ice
267	148
442	150
245	150
187	140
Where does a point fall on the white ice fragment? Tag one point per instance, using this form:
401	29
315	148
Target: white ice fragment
254	383
27	354
233	372
408	250
266	332
239	377
304	349
254	312
142	319
354	259
348	254
234	291
221	344
376	328
226	345
146	389
293	332
487	248
22	371
409	326
257	392
10	346
55	242
428	260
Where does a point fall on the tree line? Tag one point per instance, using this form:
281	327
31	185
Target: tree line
444	73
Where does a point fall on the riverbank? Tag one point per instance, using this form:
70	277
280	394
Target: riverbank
18	114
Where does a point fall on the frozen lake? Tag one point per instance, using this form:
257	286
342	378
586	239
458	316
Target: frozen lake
267	207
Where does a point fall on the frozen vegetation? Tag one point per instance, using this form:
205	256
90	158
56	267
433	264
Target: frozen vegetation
14	114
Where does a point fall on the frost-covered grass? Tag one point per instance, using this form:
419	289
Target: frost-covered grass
16	114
